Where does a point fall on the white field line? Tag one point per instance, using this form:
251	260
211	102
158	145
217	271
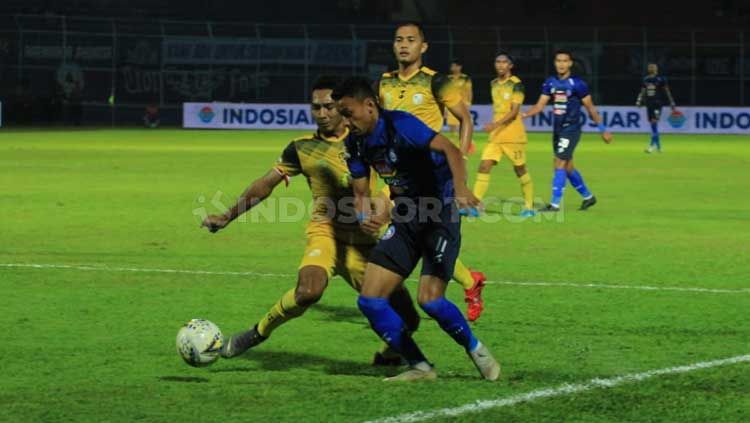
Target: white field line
565	389
103	268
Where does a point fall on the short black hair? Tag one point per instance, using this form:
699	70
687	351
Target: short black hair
414	24
355	87
510	57
326	82
457	61
564	51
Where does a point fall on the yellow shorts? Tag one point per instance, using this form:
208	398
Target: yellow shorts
515	152
336	257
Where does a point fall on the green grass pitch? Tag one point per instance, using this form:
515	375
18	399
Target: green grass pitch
95	341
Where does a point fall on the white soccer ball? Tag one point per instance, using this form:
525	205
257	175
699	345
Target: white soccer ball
198	342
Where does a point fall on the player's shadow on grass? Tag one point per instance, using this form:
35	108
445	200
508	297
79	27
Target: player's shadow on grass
509	205
286	360
339	314
183	379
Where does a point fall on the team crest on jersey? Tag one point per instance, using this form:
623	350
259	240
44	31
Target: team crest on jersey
388	233
418	99
388	99
392	155
506	96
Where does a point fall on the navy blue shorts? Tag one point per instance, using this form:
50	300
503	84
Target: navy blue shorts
564	142
653	111
433	238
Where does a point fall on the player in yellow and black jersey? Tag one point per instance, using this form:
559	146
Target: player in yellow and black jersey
425	93
507	132
462	83
336	245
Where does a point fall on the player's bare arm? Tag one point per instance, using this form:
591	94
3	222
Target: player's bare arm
466	127
537	108
639	100
588	103
258	191
457	164
363	206
506	119
669	96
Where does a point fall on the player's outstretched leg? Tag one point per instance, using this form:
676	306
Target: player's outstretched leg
558	186
576	180
473	284
403	304
433	302
527	190
374	304
311	283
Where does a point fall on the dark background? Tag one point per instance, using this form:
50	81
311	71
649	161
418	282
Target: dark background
120	47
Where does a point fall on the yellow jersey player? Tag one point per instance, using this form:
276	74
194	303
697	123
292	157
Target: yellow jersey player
462	82
426	93
507	132
336	245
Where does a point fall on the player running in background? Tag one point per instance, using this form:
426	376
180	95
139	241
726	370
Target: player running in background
426	93
651	96
462	83
568	94
507	133
427	176
335	246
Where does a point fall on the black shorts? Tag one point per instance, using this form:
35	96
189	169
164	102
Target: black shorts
653	111
435	241
565	141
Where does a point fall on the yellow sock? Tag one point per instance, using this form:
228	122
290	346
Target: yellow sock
527	188
462	275
284	310
481	185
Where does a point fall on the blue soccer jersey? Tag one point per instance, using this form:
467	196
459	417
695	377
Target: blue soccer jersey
399	151
653	87
567	95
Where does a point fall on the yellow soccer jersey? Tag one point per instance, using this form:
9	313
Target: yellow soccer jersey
321	160
463	84
504	95
424	94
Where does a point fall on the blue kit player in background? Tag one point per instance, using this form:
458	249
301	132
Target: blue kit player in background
426	174
651	96
568	94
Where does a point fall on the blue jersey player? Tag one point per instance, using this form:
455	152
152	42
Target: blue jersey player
569	94
426	174
651	96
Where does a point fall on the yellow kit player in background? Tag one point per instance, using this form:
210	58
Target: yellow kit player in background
507	133
336	244
426	93
462	83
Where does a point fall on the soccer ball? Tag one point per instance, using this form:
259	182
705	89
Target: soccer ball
198	342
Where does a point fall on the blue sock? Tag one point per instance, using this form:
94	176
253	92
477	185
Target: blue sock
577	181
558	184
449	318
389	326
655	135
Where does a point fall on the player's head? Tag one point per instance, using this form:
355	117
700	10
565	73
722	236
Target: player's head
653	69
457	66
563	61
323	107
503	64
357	102
409	43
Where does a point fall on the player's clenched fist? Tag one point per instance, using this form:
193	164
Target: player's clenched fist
215	222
